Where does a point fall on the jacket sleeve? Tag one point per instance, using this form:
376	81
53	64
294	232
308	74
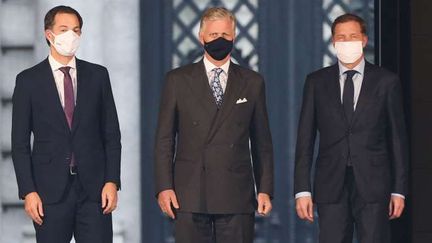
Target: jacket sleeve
306	134
261	145
165	137
21	130
111	133
398	139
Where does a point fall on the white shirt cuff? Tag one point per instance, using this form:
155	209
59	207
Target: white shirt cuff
398	195
303	194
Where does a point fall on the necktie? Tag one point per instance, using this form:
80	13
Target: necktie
69	103
216	86
348	95
69	97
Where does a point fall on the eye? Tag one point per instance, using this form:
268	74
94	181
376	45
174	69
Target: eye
356	36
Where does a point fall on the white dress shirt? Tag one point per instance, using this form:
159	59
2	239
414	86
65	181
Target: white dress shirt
358	81
59	76
223	77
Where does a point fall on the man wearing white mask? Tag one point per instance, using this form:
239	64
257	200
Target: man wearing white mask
361	177
70	175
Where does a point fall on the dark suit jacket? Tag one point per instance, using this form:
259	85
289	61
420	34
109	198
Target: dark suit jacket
94	138
376	137
204	154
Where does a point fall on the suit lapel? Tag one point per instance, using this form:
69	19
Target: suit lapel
235	83
335	91
199	84
365	92
53	95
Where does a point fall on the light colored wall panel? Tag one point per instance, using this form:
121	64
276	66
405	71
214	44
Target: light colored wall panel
9	194
18	28
12	62
13	224
5	127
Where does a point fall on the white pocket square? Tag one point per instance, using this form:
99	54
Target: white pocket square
239	101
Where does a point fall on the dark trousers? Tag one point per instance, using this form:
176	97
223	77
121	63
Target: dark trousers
214	228
74	215
338	220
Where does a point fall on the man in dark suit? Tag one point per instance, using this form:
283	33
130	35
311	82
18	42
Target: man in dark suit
70	176
361	171
212	119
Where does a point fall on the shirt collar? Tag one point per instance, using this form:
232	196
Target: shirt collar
210	66
359	68
55	65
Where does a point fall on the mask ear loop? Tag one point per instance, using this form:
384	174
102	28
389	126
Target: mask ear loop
54	35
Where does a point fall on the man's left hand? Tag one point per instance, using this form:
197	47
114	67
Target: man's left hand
396	207
264	204
109	197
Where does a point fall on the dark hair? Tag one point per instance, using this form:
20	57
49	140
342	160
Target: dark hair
50	16
347	18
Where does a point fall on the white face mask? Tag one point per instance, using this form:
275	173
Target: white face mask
66	43
348	51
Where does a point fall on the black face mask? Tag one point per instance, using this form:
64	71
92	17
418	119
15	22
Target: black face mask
218	49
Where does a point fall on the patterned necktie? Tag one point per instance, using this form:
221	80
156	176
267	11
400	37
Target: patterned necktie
69	97
348	94
216	86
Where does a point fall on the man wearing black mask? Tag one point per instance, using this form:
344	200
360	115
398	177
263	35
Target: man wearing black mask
212	118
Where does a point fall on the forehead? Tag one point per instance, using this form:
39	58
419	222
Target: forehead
350	26
66	19
218	24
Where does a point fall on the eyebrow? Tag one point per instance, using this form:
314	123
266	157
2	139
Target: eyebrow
64	26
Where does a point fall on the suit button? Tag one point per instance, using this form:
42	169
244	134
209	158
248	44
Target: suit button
231	145
204	168
195	123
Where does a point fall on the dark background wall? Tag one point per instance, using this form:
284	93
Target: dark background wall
392	51
421	119
406	48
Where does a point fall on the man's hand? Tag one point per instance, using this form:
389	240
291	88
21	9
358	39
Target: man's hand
264	204
396	207
109	197
167	198
304	208
33	207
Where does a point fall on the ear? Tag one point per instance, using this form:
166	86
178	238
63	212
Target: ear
365	41
49	35
201	37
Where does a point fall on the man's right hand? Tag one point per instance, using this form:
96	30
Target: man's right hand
166	199
33	207
304	208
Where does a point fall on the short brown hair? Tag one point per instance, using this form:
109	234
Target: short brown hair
50	16
347	18
217	13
